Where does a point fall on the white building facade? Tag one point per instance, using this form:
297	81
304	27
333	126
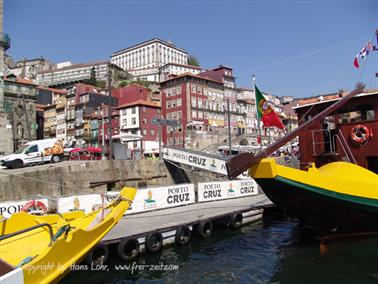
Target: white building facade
73	73
144	60
177	69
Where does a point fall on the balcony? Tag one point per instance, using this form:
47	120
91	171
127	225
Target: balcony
5	41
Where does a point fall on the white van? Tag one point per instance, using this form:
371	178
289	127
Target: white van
35	152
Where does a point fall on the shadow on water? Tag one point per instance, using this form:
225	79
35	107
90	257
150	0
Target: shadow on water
274	250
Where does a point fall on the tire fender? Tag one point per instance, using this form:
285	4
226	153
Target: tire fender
205	228
182	236
153	242
98	255
236	220
128	248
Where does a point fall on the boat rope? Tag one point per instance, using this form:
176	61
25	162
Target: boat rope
61	231
26	260
306	54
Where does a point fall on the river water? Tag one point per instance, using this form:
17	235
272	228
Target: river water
273	250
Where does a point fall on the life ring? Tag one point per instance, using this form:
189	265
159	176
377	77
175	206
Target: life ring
236	220
98	255
205	228
182	236
34	206
128	248
153	242
360	134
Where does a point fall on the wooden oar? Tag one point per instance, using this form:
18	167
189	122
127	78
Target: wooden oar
242	162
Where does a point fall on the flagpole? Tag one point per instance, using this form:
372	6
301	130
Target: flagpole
257	111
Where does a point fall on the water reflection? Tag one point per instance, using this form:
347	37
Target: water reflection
275	250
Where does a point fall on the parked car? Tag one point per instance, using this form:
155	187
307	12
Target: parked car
35	152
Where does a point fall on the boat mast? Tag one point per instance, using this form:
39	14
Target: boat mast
242	162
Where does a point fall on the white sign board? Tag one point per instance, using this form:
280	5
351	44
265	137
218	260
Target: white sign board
211	191
10	207
79	202
148	199
211	164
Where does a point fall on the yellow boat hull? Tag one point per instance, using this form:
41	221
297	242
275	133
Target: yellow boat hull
43	260
336	198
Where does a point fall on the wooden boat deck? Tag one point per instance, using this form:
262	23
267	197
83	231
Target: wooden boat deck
143	223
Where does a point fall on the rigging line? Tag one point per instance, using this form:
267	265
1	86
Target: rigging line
306	54
362	70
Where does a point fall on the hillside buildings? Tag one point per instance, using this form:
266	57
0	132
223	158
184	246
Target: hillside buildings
143	60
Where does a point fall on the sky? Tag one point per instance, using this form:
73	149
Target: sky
294	48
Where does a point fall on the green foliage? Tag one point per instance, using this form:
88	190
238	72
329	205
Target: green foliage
142	83
101	84
193	60
92	79
124	83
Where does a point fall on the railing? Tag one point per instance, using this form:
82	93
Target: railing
344	146
314	143
3	237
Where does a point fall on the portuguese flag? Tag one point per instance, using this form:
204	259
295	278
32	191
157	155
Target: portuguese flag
265	112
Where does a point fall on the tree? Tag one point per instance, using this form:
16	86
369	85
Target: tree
193	60
92	79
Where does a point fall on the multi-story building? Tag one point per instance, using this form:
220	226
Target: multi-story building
61	125
136	118
177	69
132	93
29	68
200	101
103	125
143	60
72	74
49	121
20	108
87	105
47	95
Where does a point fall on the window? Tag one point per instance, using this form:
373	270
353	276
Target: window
124	121
144	132
124	111
179	102
133	110
193	89
199	90
178	90
32	149
168	104
194	102
144	120
199	103
194	114
152	132
133	121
